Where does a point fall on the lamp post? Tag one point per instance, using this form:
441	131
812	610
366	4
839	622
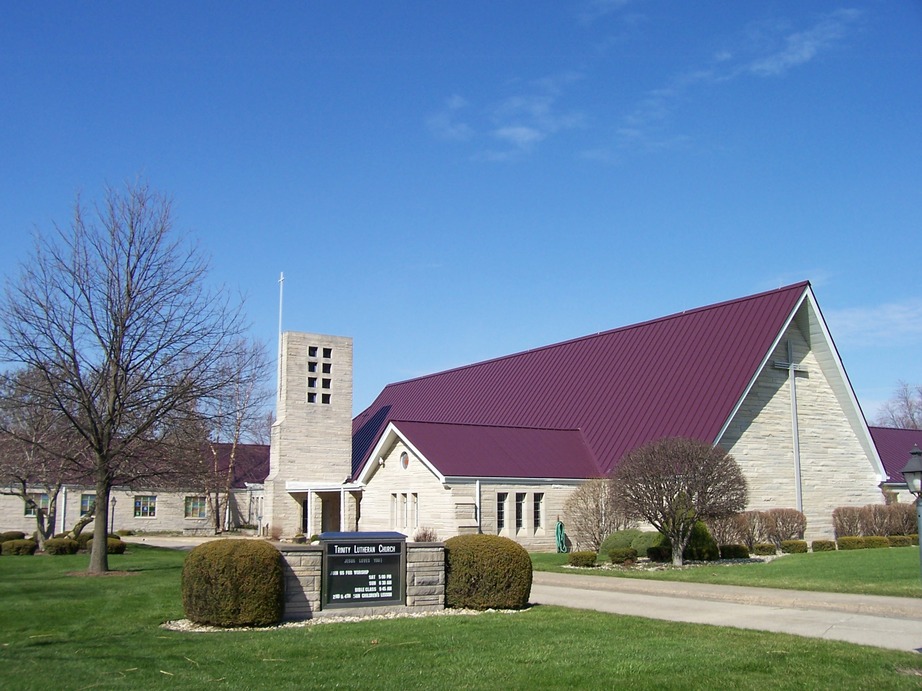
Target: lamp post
112	515
913	476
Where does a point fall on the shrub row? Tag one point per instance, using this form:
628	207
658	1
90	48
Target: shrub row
753	527
875	541
874	520
18	547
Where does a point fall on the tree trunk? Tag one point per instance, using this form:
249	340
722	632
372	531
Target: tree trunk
99	556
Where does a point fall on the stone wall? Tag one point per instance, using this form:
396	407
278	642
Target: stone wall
303	564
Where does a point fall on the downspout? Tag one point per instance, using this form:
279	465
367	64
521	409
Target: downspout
63	509
477	506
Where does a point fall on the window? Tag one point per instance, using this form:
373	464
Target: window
327	368
196	507
327	353
325	399
312	382
145	506
403	511
311	397
415	501
312	351
501	498
519	510
311	366
326	383
538	511
87	503
41	500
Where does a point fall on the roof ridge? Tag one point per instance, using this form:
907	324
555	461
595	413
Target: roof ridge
474	424
801	285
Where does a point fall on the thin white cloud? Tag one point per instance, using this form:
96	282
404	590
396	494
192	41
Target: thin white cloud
891	324
764	51
448	122
593	10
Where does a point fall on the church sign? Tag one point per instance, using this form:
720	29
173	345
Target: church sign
363	569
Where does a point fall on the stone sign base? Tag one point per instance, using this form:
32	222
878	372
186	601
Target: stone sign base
303	564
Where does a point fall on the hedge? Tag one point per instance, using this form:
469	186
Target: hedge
823	545
486	572
583	560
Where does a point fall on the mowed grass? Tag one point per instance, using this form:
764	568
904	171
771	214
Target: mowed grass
894	571
63	630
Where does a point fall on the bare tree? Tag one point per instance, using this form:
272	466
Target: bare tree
904	409
673	483
592	513
38	450
235	415
114	315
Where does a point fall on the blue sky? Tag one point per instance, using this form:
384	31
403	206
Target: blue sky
447	183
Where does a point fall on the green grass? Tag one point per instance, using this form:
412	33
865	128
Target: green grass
65	631
893	572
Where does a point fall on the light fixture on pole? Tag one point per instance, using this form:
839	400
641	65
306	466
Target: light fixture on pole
112	515
912	473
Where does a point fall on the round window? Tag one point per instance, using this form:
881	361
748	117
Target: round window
404	460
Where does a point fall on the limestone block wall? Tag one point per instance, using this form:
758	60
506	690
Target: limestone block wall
303	567
312	436
835	468
538	538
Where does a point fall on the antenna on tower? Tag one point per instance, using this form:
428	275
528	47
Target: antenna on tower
279	382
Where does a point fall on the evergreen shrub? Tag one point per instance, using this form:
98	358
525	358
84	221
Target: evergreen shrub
900	541
646	540
701	546
623	555
876	541
734	552
486	572
823	545
233	583
583	559
619	539
660	554
793	547
113	545
12	535
764	549
850	542
61	545
19	547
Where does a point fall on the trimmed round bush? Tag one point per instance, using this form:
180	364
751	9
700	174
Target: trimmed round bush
61	545
850	542
113	545
623	555
823	545
486	572
876	541
19	547
793	547
646	540
619	539
734	552
12	535
233	583
764	549
900	541
701	546
584	560
660	553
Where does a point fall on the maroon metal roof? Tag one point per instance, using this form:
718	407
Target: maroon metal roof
512	451
893	447
680	375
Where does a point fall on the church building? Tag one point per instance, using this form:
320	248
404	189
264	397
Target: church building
498	446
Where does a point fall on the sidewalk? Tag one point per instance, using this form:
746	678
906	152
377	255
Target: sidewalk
885	622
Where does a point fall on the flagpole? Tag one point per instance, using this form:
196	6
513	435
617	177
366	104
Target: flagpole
279	380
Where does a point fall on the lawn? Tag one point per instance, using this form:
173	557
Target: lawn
62	629
894	571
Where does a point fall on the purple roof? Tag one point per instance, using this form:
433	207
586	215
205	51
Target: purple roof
513	451
893	446
680	375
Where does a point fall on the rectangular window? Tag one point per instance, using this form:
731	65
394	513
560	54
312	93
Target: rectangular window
519	510
326	383
87	503
501	498
327	368
311	397
538	510
40	499
311	366
312	351
196	507
312	382
415	502
327	353
145	506
393	511
403	510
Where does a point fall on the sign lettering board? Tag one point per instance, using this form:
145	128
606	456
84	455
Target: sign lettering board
363	569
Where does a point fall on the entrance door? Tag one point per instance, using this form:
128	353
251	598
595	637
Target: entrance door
330	517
